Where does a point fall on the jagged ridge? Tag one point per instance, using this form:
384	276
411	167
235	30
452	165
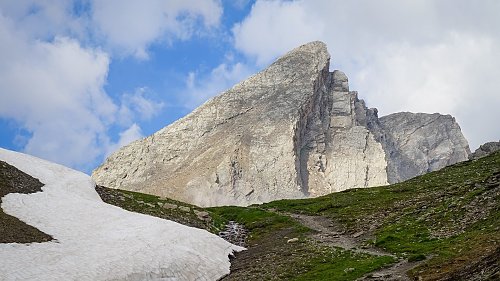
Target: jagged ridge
293	130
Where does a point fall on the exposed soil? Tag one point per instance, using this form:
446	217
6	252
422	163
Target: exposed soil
253	264
487	268
275	257
13	230
155	206
331	234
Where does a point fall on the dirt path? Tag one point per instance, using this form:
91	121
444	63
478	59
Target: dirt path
330	234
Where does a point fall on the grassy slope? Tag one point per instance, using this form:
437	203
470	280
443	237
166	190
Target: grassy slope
157	206
270	256
449	218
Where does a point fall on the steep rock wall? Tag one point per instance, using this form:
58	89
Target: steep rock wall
418	143
293	130
237	148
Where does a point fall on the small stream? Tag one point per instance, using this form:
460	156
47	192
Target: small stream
234	233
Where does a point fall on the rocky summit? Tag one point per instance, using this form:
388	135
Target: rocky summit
293	130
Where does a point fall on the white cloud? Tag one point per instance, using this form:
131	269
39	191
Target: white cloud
52	75
138	106
221	78
422	56
127	136
457	76
130	26
54	90
273	28
125	27
44	19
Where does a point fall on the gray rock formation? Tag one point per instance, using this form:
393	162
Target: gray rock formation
485	150
418	143
293	130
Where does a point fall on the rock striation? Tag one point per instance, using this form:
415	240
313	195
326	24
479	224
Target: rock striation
294	130
418	143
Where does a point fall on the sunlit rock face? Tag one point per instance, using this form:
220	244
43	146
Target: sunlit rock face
293	130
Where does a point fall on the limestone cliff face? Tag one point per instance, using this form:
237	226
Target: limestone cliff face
418	143
293	130
337	150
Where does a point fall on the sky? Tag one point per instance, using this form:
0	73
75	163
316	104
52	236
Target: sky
79	79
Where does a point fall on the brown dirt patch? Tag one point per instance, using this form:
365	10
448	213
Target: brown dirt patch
13	230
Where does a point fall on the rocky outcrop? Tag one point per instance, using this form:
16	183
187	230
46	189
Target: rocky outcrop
293	130
337	150
418	143
485	150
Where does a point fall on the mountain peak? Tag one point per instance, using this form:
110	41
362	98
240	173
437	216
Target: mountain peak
315	47
313	53
293	130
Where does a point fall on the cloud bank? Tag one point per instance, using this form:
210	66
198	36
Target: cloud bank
129	27
53	73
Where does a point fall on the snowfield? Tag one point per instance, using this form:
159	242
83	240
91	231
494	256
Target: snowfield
97	241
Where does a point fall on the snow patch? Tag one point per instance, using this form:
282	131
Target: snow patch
97	241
